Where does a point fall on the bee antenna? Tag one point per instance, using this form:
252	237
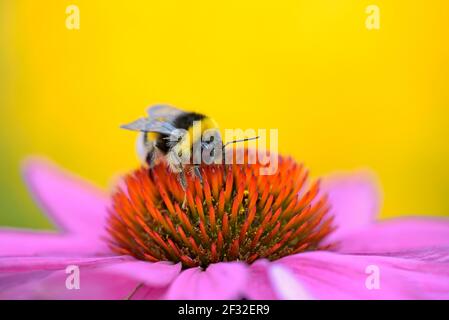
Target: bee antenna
239	140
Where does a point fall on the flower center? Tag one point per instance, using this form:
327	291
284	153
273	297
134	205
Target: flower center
233	214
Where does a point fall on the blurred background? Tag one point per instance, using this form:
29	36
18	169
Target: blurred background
342	96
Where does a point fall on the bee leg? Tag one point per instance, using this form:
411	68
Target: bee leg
151	159
184	202
197	172
183	181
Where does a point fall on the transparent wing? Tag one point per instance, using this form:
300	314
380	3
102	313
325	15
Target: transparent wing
160	118
138	125
147	125
163	112
160	127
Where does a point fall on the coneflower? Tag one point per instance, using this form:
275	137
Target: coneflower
220	245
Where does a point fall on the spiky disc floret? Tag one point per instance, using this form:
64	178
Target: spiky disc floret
234	214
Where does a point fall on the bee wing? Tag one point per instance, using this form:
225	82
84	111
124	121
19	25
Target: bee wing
137	125
163	112
147	125
160	118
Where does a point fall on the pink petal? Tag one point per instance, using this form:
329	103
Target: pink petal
225	280
437	254
148	293
261	287
33	243
100	278
395	235
74	205
157	274
94	284
21	264
45	278
327	275
355	201
285	284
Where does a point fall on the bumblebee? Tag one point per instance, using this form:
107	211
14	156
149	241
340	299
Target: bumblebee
167	134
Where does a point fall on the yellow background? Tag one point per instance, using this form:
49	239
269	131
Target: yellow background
343	97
